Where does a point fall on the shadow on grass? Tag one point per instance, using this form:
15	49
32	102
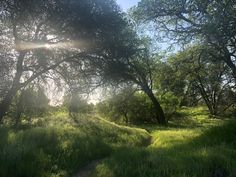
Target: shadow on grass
40	152
212	154
60	150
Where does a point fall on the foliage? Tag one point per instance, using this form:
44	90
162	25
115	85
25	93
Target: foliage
210	22
76	104
206	78
170	103
55	39
134	65
29	103
130	107
195	77
33	102
169	79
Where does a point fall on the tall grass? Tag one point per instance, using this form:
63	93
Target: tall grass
58	146
193	146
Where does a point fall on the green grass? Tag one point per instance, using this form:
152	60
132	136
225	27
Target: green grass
58	146
192	146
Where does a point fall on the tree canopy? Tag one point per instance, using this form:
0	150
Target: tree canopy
42	39
78	46
184	21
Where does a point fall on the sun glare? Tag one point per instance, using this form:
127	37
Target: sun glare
59	45
47	46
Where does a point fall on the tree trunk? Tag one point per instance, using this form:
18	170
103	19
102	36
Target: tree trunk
160	116
126	118
227	58
19	109
6	102
231	65
16	85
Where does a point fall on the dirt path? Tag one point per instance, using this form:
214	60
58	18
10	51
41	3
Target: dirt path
86	171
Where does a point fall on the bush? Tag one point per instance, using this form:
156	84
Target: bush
169	103
28	103
76	104
133	108
136	108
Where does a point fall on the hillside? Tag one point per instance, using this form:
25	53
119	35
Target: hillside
193	145
59	146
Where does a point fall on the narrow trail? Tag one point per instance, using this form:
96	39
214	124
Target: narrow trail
87	170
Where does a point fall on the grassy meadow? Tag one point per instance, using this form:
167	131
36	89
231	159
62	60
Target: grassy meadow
58	145
192	145
117	88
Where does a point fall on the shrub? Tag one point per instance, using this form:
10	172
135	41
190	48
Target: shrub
136	108
169	103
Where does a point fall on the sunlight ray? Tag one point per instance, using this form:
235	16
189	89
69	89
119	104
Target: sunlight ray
22	46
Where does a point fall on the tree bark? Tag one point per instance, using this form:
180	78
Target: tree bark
19	109
126	118
6	102
160	116
232	66
227	58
